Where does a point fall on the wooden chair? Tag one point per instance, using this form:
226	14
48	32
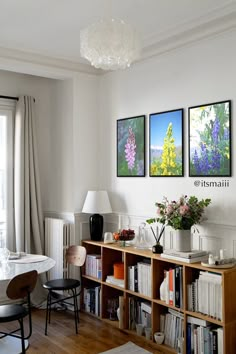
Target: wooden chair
19	287
75	255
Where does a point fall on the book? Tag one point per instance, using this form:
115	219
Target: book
97	300
185	260
145	306
181	286
214	341
177	286
210	294
197	321
121	312
220	346
192	254
162	323
118	282
206	338
189	351
131	278
171	287
176	313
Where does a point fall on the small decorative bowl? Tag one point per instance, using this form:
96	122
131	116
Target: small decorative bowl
124	235
159	337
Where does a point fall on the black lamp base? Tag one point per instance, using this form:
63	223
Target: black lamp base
96	227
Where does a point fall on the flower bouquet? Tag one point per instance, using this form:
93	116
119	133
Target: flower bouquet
181	214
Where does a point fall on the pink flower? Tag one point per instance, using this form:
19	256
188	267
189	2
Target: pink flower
130	149
183	209
169	209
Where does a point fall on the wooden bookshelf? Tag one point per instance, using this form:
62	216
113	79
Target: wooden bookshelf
112	253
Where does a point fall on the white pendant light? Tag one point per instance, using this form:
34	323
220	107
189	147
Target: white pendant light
110	44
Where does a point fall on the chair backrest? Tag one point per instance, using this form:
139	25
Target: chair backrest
22	285
76	255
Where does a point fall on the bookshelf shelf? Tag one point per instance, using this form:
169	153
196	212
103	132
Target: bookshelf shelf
91	278
156	266
163	303
135	293
205	318
112	285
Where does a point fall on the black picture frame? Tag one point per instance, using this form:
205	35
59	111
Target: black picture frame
131	146
210	140
166	144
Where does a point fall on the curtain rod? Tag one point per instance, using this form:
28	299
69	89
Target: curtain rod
10	97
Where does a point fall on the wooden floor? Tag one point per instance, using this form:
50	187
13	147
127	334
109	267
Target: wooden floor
94	335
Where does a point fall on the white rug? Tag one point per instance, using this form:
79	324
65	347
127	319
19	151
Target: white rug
129	347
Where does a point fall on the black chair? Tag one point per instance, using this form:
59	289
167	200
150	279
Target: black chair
19	287
75	255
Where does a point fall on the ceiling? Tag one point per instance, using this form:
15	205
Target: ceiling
51	28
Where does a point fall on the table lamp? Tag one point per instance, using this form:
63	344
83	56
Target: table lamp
96	203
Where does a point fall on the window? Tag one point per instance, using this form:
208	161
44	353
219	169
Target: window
6	173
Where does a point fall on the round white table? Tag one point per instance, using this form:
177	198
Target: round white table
25	264
8	271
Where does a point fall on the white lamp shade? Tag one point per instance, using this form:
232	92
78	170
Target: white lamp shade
97	202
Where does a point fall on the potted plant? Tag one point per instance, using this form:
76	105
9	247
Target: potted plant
181	215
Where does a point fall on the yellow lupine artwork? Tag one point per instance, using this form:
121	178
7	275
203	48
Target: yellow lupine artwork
166	144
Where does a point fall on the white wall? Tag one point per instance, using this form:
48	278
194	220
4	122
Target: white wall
60	171
201	73
76	126
86	163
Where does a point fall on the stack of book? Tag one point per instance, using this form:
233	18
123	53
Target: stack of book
174	286
112	280
91	300
144	278
202	337
187	257
139	277
139	312
93	265
205	294
172	324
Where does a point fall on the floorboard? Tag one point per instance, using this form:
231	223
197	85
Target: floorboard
94	335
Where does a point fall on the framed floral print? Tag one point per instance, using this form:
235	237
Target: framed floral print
210	140
131	147
166	144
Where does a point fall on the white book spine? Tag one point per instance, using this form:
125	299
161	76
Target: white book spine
167	288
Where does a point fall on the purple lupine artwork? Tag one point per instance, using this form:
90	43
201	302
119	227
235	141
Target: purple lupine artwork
210	140
130	150
131	147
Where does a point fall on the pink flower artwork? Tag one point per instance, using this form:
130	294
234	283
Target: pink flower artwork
130	149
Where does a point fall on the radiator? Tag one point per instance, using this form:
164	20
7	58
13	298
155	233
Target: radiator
59	234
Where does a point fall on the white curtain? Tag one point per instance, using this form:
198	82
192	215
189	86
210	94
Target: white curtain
29	232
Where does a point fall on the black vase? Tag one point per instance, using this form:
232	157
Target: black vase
157	248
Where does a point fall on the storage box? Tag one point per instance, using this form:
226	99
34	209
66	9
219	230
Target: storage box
118	270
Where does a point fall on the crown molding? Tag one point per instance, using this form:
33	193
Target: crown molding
214	16
211	24
40	65
189	33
